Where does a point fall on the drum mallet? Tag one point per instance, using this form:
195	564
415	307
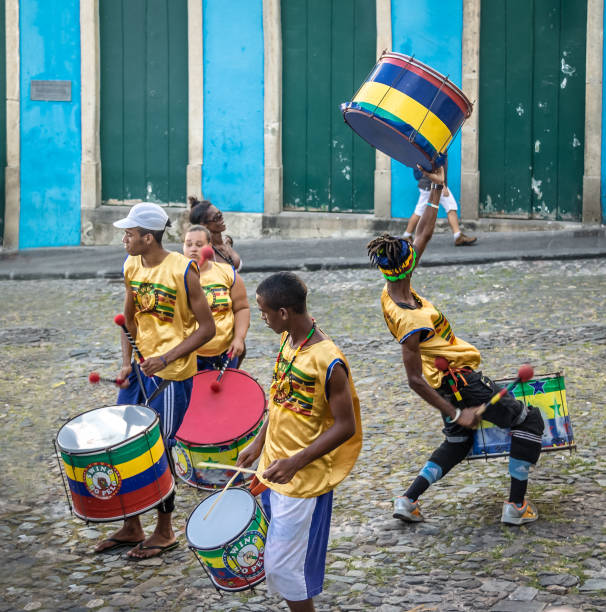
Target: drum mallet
526	372
206	253
94	378
120	320
215	385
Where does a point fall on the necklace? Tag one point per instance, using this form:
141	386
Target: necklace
224	256
289	366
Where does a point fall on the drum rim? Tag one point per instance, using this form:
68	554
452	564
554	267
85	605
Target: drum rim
255	506
223	442
433	72
349	109
95	451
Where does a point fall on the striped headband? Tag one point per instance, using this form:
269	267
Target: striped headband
407	265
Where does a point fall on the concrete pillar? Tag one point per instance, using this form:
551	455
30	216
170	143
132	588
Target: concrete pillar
470	171
12	171
382	195
195	99
90	165
592	212
272	111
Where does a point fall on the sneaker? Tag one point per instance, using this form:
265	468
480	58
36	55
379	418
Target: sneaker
464	240
406	510
518	515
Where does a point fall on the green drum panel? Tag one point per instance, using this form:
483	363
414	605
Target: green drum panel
143	99
532	108
328	50
2	113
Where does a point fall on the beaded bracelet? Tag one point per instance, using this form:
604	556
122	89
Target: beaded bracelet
163	360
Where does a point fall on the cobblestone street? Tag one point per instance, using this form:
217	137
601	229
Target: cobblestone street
55	332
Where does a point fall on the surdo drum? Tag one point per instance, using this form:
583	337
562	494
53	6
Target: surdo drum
230	542
115	462
407	110
217	427
547	392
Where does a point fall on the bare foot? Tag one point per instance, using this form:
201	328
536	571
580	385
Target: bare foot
127	536
153	546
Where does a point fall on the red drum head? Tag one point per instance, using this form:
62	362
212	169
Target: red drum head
215	417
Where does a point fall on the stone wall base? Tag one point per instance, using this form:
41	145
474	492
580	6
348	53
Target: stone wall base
98	229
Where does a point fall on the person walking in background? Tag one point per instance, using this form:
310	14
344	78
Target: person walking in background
448	203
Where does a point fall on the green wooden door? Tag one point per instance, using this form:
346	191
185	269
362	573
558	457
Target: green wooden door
143	100
328	50
532	108
2	115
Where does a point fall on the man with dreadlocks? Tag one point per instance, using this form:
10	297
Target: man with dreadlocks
458	392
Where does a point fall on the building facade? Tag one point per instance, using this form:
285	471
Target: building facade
112	102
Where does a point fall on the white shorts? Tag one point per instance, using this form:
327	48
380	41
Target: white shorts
447	202
297	539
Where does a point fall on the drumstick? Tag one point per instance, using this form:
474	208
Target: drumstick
215	385
526	372
120	320
224	466
221	494
94	378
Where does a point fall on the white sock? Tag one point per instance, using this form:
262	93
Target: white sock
456	235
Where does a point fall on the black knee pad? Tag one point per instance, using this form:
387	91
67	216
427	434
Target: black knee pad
526	437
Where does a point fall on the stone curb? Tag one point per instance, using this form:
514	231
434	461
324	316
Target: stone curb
331	264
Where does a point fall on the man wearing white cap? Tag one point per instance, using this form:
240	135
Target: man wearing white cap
163	303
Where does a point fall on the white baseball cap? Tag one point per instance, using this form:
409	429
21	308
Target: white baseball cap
146	216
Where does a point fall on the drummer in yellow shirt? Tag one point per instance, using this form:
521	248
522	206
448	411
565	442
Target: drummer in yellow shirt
308	444
228	302
424	333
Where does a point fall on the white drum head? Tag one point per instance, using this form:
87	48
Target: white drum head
227	520
102	428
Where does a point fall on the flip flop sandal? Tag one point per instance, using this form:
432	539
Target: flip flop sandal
117	543
161	550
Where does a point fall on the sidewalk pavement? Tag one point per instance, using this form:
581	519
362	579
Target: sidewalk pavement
269	254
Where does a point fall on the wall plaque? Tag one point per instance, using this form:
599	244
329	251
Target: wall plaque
51	91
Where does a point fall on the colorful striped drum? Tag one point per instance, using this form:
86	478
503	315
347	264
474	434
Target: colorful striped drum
407	110
230	542
217	427
115	462
548	393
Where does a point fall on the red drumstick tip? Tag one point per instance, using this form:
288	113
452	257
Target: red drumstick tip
215	386
120	320
206	253
441	363
526	372
94	378
119	381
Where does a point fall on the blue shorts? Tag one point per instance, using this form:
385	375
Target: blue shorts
297	539
170	404
216	362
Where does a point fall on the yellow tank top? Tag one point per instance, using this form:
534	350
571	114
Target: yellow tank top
437	337
162	312
299	413
217	283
